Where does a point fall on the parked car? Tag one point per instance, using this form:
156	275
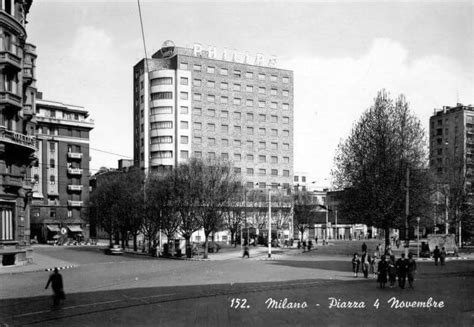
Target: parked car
212	247
115	249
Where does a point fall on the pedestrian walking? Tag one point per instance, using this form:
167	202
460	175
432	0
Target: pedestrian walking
382	272
392	271
364	247
401	266
442	256
246	251
436	255
355	264
310	245
365	264
316	240
373	262
56	281
411	270
304	246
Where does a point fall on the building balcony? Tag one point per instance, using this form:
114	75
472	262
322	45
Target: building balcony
10	60
74	155
74	171
75	188
20	143
28	111
10	100
14	181
71	203
30	49
28	74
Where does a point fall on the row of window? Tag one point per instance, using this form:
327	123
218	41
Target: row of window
235	86
236	73
262	145
250	130
237	115
239	101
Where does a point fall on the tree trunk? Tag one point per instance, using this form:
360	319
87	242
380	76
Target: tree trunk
206	244
135	246
387	237
188	246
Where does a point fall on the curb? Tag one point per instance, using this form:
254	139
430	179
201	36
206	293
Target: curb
60	268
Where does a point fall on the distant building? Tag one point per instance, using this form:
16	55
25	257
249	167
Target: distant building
61	173
451	153
17	131
193	104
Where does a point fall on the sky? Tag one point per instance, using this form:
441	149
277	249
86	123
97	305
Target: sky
341	52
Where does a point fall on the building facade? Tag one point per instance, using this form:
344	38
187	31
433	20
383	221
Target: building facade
17	131
61	173
188	103
451	156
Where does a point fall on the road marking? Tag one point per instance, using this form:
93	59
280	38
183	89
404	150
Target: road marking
66	308
59	268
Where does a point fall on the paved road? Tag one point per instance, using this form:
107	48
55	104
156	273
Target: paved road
140	291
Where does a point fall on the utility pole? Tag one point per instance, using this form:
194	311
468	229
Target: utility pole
407	212
270	223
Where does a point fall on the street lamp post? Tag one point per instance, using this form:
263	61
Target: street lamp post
418	237
270	223
407	212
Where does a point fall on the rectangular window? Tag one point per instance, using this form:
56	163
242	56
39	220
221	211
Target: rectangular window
261	90
197	82
183	65
261	104
261	76
285	106
211	112
225	156
225	142
261	131
224	99
274	172
286	133
224	71
211	84
237	129
183	110
224	86
211	127
249	145
183	124
184	139
224	114
236	87
211	141
286	93
274	160
249	88
274	132
183	80
183	95
225	129
237	73
286	79
250	157
249	103
249	75
273	91
197	140
237	115
211	98
286	146
183	154
237	143
197	67
211	155
286	120
286	160
211	69
237	101
197	126
274	119
197	154
162	110
274	146
197	96
237	170
161	154
197	111
162	95
273	78
250	171
161	81
237	157
262	159
273	105
262	172
262	145
286	173
249	185
262	117
249	117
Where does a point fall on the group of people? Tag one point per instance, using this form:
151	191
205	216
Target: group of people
386	269
439	256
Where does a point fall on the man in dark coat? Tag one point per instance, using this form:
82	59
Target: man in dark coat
411	269
56	281
364	247
401	265
436	255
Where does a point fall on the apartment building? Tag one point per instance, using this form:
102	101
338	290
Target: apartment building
61	173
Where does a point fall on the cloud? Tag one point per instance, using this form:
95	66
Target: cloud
332	93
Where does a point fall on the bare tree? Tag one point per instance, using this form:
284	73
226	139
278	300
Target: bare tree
303	210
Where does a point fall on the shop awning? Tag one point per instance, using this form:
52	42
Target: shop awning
53	228
75	228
